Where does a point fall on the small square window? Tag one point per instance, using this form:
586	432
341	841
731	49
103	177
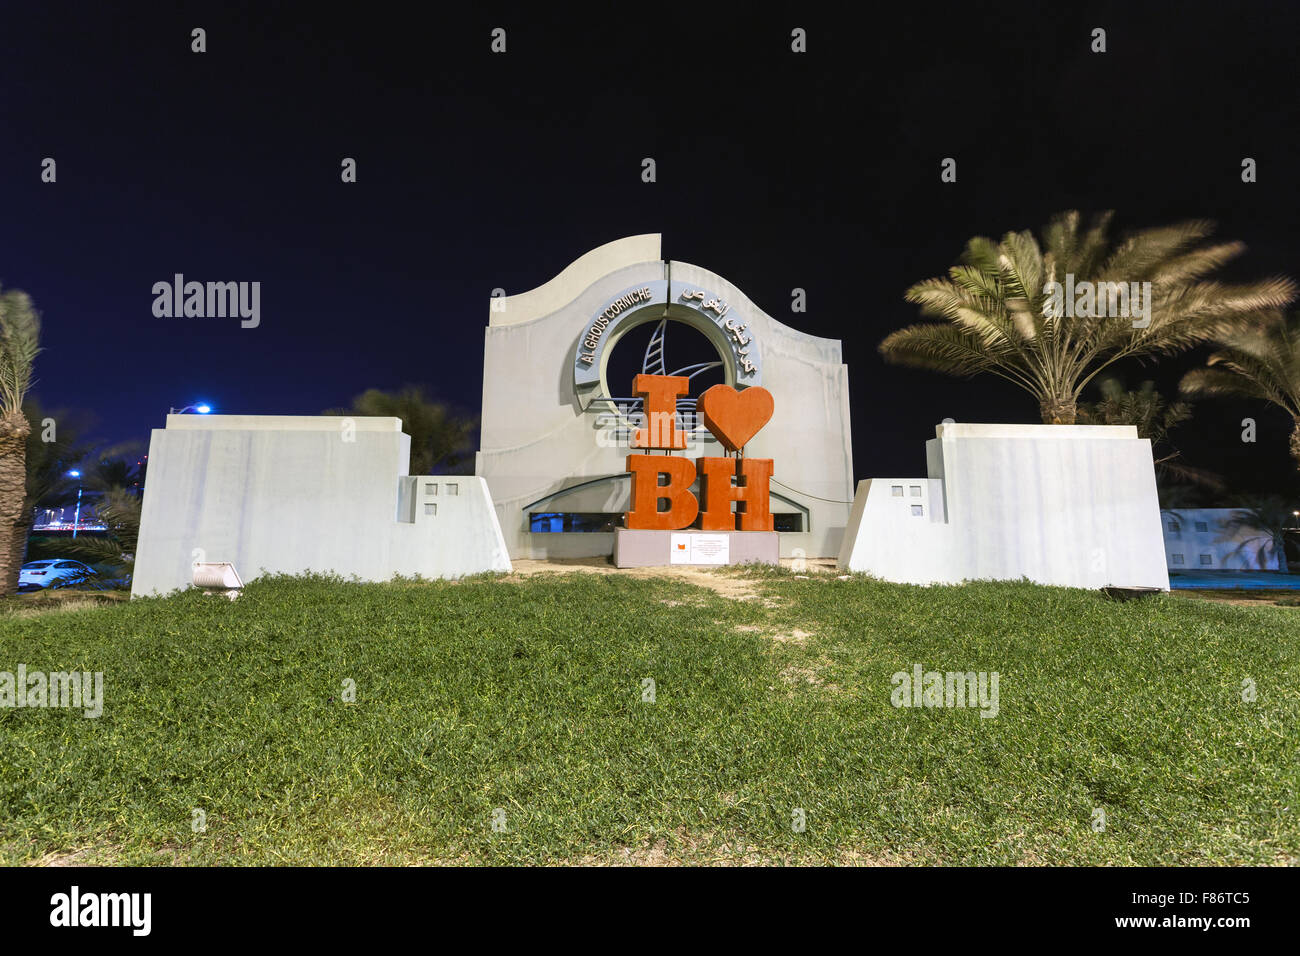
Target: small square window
1207	559
430	508
1173	526
1178	558
430	487
1201	528
453	488
896	491
918	510
916	491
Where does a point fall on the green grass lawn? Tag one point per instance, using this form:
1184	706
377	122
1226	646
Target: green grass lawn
526	696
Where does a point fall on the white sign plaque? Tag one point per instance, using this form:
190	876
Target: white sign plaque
700	549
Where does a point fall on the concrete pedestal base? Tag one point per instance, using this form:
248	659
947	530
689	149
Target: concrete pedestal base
653	549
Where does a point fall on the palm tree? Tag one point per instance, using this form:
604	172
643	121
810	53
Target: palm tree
440	438
1267	519
20	334
1260	361
1003	313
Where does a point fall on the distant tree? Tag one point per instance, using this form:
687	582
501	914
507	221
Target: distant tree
113	555
114	468
1258	360
1154	416
1175	496
999	317
50	457
20	334
440	437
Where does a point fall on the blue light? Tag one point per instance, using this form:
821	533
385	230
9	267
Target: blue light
74	474
203	409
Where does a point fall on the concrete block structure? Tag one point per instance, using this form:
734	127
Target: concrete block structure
553	439
290	494
1070	505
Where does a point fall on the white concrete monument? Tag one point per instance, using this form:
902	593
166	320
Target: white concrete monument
554	436
1070	505
1061	505
290	494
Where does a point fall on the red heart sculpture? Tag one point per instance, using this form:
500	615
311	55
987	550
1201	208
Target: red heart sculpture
736	417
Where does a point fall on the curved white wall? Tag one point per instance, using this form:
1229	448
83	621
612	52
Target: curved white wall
537	439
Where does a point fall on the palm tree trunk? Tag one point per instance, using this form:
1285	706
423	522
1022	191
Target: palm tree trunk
1295	442
13	494
1057	411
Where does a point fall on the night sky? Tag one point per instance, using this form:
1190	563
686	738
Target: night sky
478	171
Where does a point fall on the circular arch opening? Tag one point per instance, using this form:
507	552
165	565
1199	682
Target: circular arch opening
661	345
664	347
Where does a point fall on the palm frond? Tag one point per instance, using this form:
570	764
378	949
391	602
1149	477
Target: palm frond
994	304
943	348
1259	360
20	335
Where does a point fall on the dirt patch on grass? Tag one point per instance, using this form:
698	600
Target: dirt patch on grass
1242	601
730	583
21	606
801	675
794	636
86	856
711	850
1242	597
808	675
715	579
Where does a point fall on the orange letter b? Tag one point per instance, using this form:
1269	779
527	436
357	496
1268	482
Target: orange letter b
646	492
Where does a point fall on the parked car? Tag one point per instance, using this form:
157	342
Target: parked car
52	573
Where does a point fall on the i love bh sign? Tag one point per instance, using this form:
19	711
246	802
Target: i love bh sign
734	417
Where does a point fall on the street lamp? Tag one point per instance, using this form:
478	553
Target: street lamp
76	518
201	408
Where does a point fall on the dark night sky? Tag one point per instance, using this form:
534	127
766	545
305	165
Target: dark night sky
476	171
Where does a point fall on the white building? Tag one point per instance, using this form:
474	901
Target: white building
554	443
1208	539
